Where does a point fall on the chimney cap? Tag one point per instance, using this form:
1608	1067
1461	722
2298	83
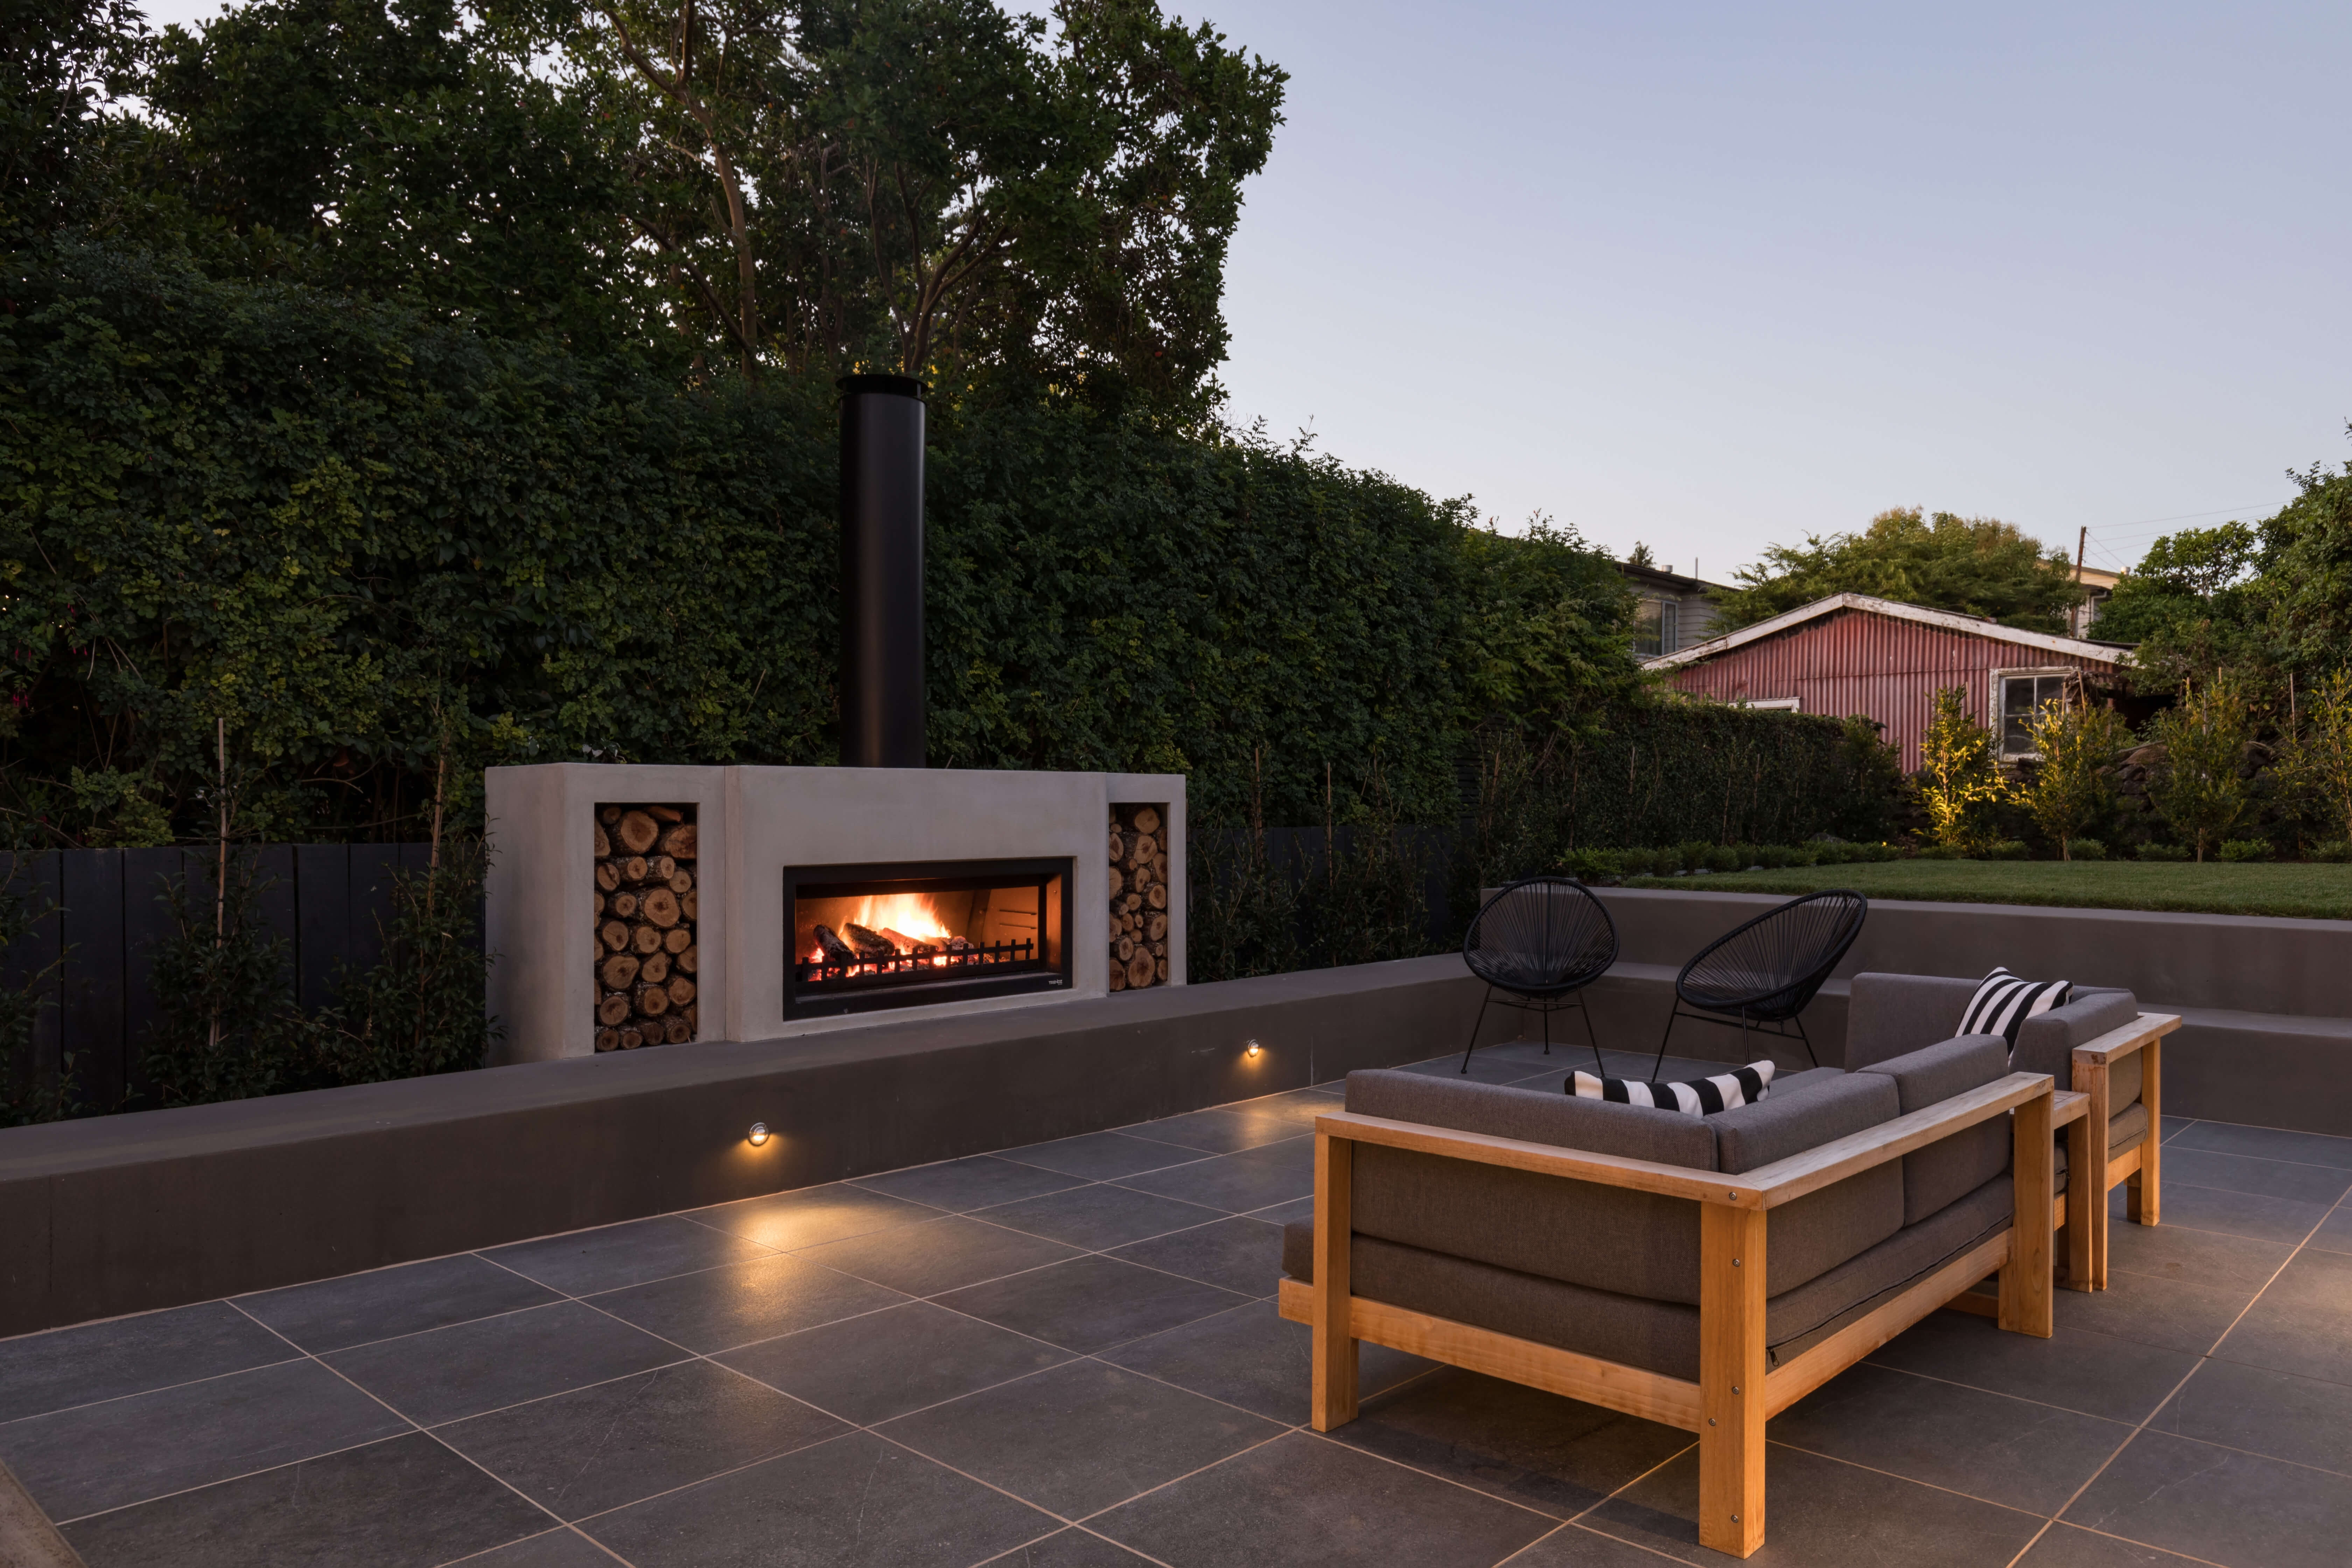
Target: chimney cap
895	385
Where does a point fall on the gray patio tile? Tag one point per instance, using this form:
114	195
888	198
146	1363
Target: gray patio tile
886	1363
2199	1257
598	1448
2303	1323
2264	1143
788	1221
2174	1126
1484	1068
1553	1455
1987	1446
2299	1419
2219	1505
1097	1217
2065	1546
65	1367
719	1308
554	1548
1090	1303
2178	1314
1218	1131
1553	1080
855	1502
1575	1546
445	1375
1100	1156
1308	1503
335	1314
1284	1214
1238	1254
938	1255
1250	1179
614	1255
99	1457
1301	1106
405	1502
1822	1513
959	1186
1249	1356
2335	1235
1081	1436
1071	1548
2231	1213
2239	1174
2094	1374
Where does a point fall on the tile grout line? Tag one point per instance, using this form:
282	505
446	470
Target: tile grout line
2159	1408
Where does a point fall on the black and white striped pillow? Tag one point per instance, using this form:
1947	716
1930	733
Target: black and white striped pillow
2003	1003
1728	1092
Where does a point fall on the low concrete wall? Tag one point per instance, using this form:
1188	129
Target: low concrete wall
120	1214
2267	1005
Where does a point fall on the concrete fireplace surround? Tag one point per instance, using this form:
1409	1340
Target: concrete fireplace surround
753	822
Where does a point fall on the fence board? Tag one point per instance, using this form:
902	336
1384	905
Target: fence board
149	916
91	1022
36	879
322	930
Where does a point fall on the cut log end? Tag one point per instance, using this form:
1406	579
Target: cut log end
680	1032
608	876
608	1039
1147	819
619	972
676	940
1141	971
612	1010
679	843
646	939
1157	894
603	847
1119	977
638	831
613	935
654	970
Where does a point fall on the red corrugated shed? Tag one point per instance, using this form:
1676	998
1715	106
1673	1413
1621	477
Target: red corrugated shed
1852	654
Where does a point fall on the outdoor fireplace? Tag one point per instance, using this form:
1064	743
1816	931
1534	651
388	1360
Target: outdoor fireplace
868	937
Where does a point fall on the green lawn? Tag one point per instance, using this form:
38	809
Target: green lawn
2321	892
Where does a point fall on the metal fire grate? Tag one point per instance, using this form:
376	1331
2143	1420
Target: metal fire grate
953	959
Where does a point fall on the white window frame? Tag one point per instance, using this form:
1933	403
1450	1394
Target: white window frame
1778	704
1996	689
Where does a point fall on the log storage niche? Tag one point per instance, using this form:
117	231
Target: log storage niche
1139	896
646	903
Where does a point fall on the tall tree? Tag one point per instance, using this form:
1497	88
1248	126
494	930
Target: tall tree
1977	565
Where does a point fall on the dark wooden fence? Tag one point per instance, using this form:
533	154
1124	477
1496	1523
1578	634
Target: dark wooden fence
107	909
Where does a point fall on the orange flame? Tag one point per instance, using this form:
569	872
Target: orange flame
905	914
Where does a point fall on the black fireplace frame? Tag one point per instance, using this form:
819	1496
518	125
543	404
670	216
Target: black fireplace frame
878	993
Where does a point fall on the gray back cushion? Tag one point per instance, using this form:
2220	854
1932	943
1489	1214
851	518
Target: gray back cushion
1820	1230
1893	1015
1636	1244
2046	1043
1951	1169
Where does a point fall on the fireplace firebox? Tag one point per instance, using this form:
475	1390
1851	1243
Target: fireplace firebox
901	935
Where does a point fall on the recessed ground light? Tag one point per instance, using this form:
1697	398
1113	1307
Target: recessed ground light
759	1133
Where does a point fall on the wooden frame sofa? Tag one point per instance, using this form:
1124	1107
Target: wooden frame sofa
2100	1044
1701	1272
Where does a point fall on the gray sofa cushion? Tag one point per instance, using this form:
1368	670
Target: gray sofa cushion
1949	1170
1894	1015
1662	1336
1633	1244
1820	1230
2047	1042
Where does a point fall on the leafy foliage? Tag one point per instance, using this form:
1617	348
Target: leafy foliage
2312	770
2198	784
224	1029
1959	779
1977	565
2072	788
27	1093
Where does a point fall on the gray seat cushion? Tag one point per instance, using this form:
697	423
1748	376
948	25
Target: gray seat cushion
1662	1336
1949	1169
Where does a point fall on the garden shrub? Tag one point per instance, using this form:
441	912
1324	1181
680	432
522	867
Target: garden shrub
1722	857
2245	849
2161	852
2333	852
2087	850
2007	849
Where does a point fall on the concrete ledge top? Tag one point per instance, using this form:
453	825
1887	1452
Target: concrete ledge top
1762	901
140	1136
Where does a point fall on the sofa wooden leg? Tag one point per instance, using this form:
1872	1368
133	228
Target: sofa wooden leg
2026	1305
1333	1399
2091	1078
1731	1379
2082	1194
2144	1192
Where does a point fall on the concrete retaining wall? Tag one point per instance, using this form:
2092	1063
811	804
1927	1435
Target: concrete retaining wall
120	1214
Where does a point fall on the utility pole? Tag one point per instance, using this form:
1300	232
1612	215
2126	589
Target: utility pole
2082	610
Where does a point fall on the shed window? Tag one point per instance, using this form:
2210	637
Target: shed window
1654	628
2021	695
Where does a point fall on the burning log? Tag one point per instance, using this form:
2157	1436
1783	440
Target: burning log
836	951
868	943
908	944
638	830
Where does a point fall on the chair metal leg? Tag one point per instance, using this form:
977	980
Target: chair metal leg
1659	1065
1476	1028
1599	1068
1546	1017
1799	1022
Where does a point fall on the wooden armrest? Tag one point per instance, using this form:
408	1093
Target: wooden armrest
1547	1159
2068	1105
2123	1042
1784	1181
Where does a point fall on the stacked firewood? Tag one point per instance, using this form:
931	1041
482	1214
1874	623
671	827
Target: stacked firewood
645	902
1138	897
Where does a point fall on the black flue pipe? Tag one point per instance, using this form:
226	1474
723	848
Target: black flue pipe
882	703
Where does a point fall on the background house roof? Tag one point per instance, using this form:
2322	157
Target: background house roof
1950	620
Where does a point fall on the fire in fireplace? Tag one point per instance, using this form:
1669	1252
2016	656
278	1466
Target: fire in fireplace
865	937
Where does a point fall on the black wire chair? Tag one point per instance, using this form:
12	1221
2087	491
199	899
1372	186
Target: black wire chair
1767	971
1542	941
